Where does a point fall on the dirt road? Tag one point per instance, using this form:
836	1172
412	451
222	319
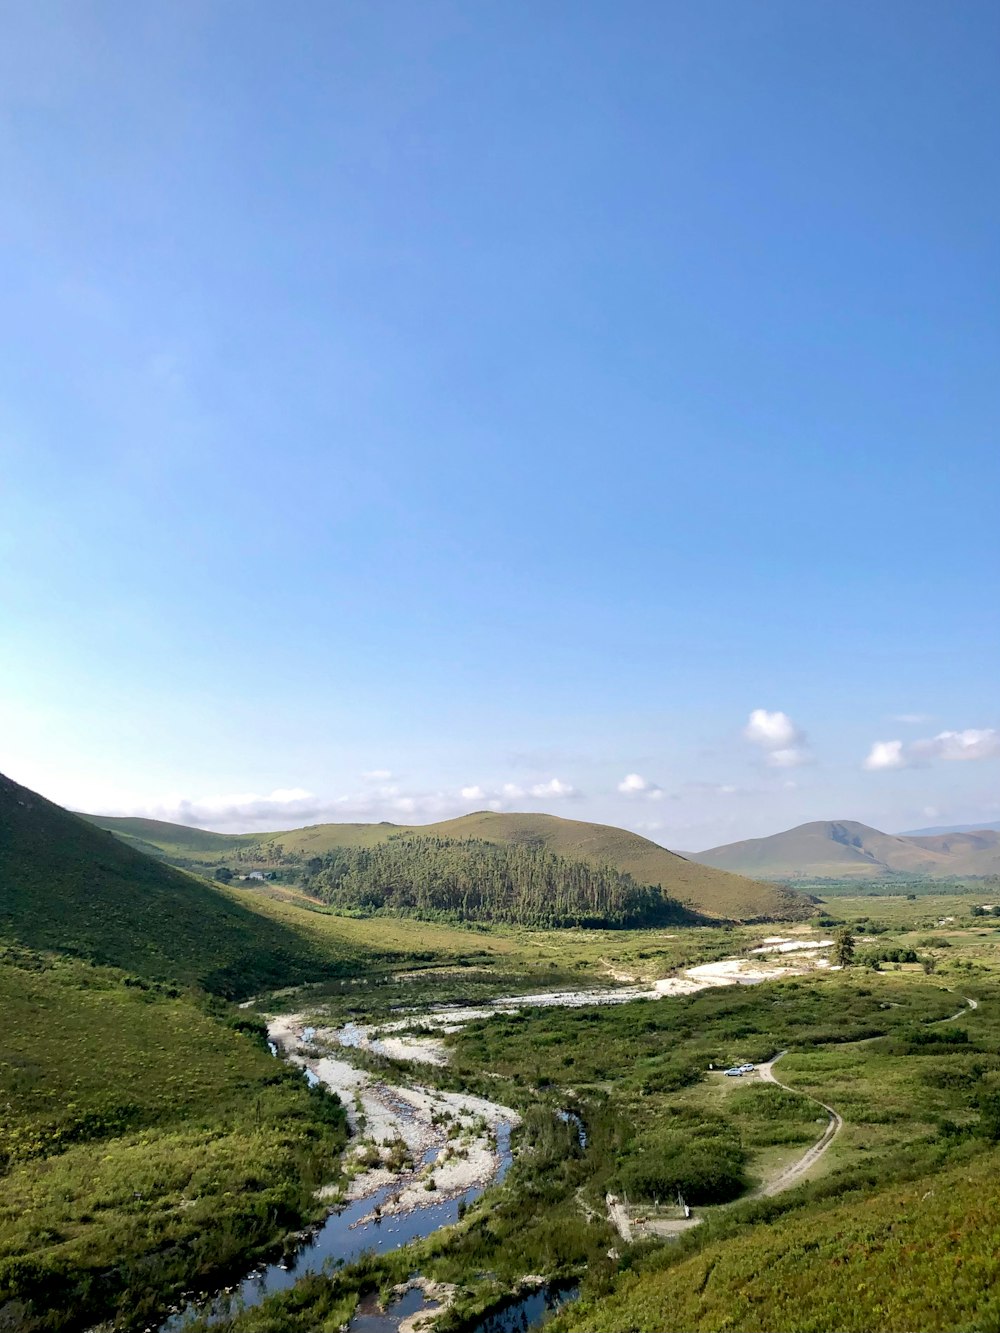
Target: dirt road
794	1173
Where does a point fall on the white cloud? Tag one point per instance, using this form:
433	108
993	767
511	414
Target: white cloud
885	754
238	809
783	743
377	775
553	788
502	797
972	743
911	719
775	731
792	757
634	784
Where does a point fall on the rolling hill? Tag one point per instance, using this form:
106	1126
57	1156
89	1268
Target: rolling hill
701	887
148	1134
69	887
845	849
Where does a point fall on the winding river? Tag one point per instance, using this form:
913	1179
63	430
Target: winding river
379	1221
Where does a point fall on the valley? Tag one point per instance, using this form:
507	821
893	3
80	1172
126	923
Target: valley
375	1117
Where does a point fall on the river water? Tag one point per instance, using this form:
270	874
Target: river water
515	1316
342	1239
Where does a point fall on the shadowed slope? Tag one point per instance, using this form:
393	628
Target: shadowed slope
70	887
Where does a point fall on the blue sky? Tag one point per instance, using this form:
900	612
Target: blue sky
587	407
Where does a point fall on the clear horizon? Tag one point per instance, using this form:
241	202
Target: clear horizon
415	410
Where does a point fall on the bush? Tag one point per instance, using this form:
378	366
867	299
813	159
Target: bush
702	1169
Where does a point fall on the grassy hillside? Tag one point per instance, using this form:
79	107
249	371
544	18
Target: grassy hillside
159	837
919	1255
707	890
149	1138
842	849
69	887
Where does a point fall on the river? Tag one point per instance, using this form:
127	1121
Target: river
388	1209
345	1236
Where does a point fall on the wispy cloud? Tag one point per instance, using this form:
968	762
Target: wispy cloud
782	742
553	788
971	744
710	789
375	800
911	719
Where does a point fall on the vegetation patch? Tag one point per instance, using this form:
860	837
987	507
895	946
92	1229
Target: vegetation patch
472	880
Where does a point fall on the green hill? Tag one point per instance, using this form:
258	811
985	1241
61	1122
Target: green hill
73	888
148	1135
845	849
703	888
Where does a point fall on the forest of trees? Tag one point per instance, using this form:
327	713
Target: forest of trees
473	880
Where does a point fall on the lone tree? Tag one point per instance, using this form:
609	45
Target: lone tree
844	947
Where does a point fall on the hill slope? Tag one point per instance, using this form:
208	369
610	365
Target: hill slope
845	849
72	888
701	887
873	1262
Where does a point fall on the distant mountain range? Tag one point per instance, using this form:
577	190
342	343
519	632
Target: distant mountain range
951	828
845	849
701	887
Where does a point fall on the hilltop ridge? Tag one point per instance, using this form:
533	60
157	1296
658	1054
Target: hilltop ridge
707	890
844	849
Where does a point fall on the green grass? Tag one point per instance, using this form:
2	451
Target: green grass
148	1137
869	1043
920	1255
532	1223
150	1141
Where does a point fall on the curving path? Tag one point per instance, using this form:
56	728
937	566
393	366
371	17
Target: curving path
785	1179
793	1174
969	1005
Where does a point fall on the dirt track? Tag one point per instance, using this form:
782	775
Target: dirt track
792	1174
